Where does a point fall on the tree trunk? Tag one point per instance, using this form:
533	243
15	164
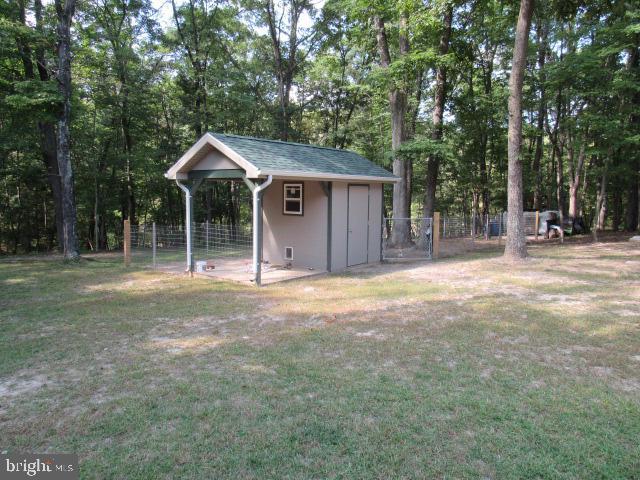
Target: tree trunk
633	206
125	125
632	200
484	173
560	187
409	176
542	31
433	162
551	168
601	202
400	210
65	10
398	106
558	146
285	68
96	215
410	133
516	245
616	219
48	149
47	129
574	184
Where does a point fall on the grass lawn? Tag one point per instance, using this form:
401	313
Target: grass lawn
464	368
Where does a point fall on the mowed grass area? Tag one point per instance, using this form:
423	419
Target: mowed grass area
464	368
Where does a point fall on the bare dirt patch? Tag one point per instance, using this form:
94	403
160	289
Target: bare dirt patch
24	385
185	344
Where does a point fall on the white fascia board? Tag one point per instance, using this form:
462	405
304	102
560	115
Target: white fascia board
207	139
283	174
188	155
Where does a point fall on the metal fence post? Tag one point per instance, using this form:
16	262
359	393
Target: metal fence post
473	226
444	227
206	235
435	236
154	241
500	229
486	227
127	243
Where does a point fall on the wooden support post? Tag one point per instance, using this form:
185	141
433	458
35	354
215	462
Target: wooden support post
127	242
537	224
435	236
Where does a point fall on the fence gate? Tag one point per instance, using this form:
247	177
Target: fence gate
407	238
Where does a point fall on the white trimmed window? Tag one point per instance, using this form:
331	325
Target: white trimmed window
293	199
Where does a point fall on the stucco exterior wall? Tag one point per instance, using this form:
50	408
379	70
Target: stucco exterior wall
307	234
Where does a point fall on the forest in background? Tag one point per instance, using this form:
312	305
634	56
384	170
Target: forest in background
420	87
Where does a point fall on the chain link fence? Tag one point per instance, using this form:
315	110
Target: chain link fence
407	238
165	246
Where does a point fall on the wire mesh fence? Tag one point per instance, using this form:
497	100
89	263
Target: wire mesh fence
529	223
407	238
479	226
455	226
473	226
165	246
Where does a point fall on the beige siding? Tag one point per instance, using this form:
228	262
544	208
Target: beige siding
307	234
215	160
339	226
375	221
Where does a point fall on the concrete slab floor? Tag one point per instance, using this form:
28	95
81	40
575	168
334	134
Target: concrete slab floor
238	269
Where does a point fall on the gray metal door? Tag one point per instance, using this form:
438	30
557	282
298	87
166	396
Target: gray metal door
358	225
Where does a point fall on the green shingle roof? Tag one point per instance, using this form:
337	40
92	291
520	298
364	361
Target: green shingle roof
275	155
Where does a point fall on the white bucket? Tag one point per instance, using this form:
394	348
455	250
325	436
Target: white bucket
201	266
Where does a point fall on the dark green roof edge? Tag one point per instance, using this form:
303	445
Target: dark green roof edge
378	170
271	140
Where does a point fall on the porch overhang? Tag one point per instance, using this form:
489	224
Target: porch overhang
229	160
226	174
239	174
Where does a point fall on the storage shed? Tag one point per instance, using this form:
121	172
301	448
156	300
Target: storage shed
313	207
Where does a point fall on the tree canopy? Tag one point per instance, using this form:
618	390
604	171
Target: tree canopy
417	87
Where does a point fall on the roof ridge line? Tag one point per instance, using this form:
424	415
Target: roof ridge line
310	145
